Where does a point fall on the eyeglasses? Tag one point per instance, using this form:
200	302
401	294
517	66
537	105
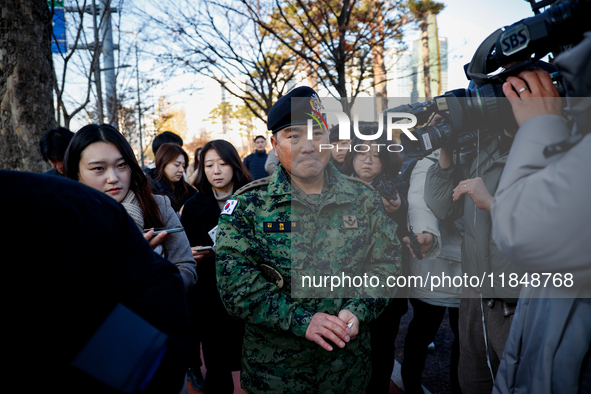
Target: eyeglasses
364	156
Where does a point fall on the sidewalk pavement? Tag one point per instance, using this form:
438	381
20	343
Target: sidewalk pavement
396	386
395	382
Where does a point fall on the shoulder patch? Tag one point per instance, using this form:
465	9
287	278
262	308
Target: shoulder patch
253	184
352	179
229	207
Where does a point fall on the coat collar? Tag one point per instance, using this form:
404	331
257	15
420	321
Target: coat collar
206	203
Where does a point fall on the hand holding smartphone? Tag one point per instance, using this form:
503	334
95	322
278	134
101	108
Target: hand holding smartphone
168	230
199	248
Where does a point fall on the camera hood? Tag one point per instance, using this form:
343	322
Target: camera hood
483	63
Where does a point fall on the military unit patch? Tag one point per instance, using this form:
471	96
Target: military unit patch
272	275
281	227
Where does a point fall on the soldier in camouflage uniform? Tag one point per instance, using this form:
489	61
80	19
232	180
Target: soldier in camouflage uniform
305	219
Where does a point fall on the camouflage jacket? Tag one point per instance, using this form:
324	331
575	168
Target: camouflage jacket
272	234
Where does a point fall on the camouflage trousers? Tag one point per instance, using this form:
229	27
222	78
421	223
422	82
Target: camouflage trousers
283	363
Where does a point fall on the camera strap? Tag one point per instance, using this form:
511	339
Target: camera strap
476	69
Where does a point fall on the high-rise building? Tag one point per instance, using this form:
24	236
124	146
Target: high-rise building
405	75
400	76
437	63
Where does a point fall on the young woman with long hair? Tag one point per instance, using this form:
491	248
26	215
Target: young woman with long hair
221	173
171	162
100	157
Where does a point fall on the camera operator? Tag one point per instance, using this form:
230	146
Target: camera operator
453	190
541	222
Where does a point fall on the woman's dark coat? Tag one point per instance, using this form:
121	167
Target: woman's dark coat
221	335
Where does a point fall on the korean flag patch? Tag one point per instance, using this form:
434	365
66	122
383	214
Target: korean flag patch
229	207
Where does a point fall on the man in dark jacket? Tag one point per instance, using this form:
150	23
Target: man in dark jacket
255	162
82	256
53	146
166	137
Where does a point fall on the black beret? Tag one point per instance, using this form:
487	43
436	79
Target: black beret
294	108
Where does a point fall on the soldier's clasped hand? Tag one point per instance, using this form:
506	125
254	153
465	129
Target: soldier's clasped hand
352	322
324	326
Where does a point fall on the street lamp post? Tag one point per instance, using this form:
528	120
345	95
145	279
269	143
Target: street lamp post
139	110
97	65
109	62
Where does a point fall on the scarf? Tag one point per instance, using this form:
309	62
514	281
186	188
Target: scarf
221	197
132	206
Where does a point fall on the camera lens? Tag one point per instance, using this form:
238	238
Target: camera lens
429	139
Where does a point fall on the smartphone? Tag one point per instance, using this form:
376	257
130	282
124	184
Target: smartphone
205	248
169	230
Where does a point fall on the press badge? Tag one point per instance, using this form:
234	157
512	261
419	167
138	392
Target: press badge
281	227
229	207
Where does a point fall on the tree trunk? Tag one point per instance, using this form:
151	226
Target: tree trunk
379	67
26	83
426	73
341	87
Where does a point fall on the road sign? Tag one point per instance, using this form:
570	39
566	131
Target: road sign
58	38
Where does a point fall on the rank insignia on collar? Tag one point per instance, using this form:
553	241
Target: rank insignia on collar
281	227
350	221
